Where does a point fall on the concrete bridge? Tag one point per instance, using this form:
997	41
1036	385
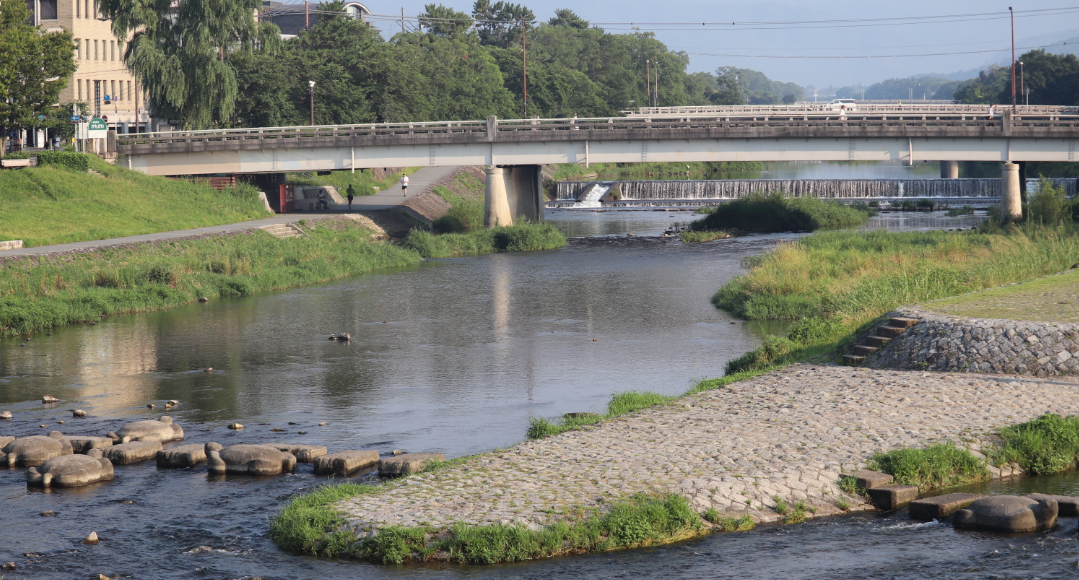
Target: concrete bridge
514	149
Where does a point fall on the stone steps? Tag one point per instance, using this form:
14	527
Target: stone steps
282	230
883	334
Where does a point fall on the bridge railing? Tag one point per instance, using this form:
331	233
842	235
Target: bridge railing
489	129
859	108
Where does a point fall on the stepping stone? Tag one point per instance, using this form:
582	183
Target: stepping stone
303	453
407	464
890	331
892	497
941	506
162	430
1068	506
71	471
877	341
84	444
868	479
345	462
1008	513
182	456
132	452
901	322
4	440
863	350
248	460
34	450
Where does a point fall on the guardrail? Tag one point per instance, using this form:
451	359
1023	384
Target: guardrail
858	108
492	129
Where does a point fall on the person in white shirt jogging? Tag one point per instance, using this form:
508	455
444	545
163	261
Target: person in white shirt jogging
404	185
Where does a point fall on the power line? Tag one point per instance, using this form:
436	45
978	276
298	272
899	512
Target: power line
850	57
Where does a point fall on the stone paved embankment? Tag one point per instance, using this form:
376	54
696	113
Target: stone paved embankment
789	433
941	342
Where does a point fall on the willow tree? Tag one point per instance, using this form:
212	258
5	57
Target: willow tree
180	51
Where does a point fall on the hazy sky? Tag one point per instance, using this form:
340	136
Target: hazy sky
963	34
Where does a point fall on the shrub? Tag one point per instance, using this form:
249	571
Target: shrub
16	155
775	213
66	159
1046	205
1048	444
940	465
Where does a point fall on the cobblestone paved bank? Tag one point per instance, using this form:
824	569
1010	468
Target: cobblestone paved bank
789	433
942	342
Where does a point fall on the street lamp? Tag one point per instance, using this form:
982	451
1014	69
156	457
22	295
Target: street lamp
312	85
1023	82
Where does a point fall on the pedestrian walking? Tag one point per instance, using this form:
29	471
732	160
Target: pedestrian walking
351	194
842	112
404	185
574	121
322	199
992	110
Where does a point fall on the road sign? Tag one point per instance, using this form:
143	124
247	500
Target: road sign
98	129
75	118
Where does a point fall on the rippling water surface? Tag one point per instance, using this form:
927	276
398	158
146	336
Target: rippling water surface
451	356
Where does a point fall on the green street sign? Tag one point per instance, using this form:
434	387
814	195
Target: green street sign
98	125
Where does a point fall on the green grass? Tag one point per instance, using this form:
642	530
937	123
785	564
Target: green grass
620	404
309	524
728	524
1048	444
37	293
958	211
52	205
775	213
1050	299
706	236
363	182
934	467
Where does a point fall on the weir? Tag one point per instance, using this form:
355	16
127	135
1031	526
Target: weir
684	191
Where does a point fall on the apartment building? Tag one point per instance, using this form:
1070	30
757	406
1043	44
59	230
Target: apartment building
101	80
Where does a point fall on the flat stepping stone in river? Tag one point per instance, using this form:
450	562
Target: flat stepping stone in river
303	453
4	440
408	463
132	452
868	479
345	462
892	497
163	430
248	460
1008	513
941	506
182	456
85	444
1068	506
34	450
71	471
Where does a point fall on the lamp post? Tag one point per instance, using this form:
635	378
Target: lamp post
312	85
1012	12
1023	82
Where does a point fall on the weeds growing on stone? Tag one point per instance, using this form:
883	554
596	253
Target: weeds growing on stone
842	504
1048	444
620	404
781	506
775	213
728	524
936	466
705	236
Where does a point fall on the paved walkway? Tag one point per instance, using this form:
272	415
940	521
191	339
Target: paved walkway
392	197
789	433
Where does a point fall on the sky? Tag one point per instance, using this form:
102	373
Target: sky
904	49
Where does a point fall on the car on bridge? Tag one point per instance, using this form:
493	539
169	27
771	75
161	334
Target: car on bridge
836	104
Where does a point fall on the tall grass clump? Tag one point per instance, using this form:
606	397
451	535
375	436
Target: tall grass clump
309	524
54	204
1048	444
936	466
47	291
620	404
776	213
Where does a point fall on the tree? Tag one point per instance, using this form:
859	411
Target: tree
34	67
727	90
566	17
1052	79
180	53
500	24
986	88
442	21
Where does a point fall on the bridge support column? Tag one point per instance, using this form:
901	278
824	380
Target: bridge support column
949	170
513	193
1011	204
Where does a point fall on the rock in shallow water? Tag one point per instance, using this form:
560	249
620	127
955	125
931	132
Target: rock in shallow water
345	462
162	430
1008	513
182	456
303	453
408	463
34	450
84	444
6	415
71	471
132	452
248	460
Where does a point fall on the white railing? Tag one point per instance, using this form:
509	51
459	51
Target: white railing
858	108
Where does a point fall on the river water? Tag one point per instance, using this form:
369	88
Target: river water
451	356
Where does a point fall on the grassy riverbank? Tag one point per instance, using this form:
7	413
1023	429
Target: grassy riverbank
775	213
37	293
363	182
53	205
836	283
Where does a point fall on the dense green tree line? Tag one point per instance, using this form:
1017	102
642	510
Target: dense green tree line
1053	79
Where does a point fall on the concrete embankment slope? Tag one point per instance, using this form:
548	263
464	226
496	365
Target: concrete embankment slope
789	433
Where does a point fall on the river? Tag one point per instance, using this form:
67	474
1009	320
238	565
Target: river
451	356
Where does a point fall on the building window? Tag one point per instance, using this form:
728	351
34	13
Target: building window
86	54
130	95
112	50
78	84
96	53
86	12
78	49
78	9
114	90
48	9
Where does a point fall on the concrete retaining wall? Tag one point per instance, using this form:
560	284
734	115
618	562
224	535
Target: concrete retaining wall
980	345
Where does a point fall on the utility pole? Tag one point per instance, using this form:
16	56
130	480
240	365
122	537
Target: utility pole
306	15
136	105
402	19
648	82
1023	82
657	85
1012	12
524	63
312	85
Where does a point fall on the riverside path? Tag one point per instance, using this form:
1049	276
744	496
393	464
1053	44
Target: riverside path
788	434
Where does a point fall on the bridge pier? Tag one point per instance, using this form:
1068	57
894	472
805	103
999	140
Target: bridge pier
1011	202
513	193
949	170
